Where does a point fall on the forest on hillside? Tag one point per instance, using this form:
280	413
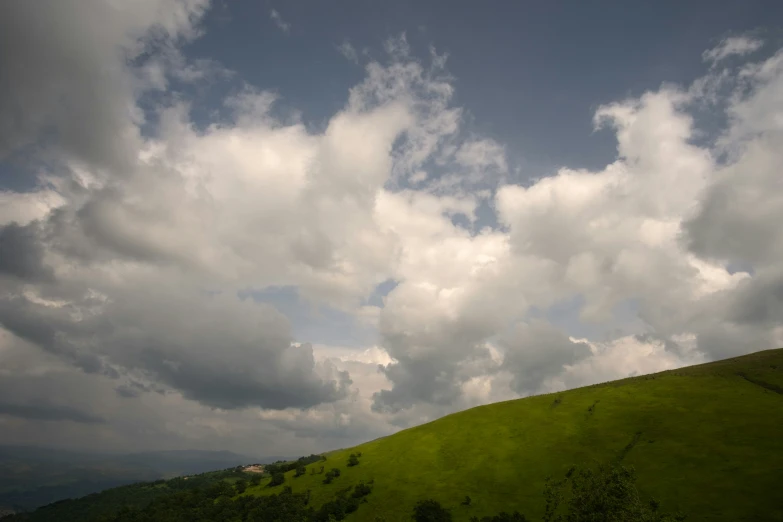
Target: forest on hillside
604	493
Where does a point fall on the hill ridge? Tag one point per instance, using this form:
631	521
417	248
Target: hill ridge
706	440
731	429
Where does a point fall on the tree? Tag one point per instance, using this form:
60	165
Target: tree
277	479
361	490
301	470
466	502
240	486
606	493
430	511
353	460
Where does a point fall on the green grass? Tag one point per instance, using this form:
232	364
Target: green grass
708	441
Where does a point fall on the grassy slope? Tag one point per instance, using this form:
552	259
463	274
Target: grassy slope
710	443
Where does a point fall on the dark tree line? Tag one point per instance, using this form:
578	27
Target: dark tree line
605	494
216	503
282	466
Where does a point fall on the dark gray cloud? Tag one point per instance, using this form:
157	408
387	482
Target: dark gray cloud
429	356
729	227
743	319
759	301
218	350
537	351
49	412
66	75
431	380
21	254
127	392
60	68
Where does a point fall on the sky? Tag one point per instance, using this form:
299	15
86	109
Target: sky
288	227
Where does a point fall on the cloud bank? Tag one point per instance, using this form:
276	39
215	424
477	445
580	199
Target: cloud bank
128	267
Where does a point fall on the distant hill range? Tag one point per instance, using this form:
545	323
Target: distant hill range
31	477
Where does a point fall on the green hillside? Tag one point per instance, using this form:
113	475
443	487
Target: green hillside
707	440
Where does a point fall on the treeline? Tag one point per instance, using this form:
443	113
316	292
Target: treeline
605	494
282	466
219	502
216	503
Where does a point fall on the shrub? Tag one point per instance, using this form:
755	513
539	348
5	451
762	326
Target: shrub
353	460
277	479
607	493
331	475
361	490
430	511
240	486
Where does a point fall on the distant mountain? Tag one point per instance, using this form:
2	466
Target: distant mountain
32	477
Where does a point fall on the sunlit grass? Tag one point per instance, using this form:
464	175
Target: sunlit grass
710	443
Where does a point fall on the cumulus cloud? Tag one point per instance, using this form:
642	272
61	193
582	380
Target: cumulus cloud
126	272
631	232
145	263
626	356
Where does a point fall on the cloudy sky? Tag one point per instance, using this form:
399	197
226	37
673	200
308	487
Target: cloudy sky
286	227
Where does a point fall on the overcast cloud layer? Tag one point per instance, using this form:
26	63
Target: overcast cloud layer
128	268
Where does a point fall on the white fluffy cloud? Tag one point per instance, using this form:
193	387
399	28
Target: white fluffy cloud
132	261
